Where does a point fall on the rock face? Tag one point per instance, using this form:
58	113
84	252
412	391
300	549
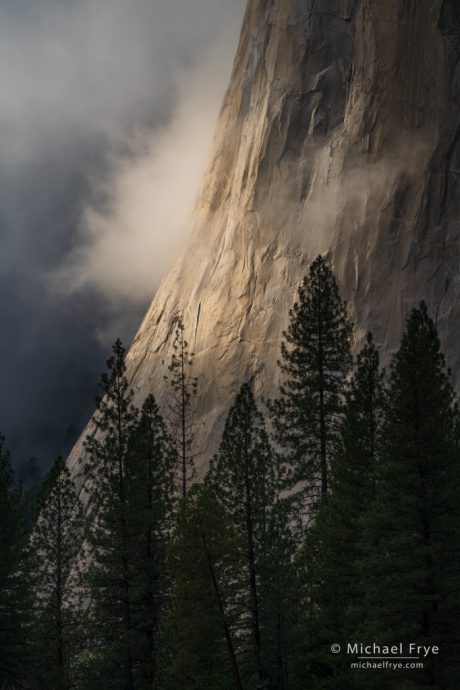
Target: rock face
339	134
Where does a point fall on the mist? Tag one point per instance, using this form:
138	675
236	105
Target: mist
140	217
106	118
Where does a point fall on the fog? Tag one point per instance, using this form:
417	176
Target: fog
106	116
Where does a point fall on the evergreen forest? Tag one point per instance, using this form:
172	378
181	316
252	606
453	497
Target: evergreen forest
325	530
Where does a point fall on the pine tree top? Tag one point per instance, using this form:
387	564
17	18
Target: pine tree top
419	378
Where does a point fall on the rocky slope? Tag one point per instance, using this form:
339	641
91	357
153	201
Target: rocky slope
339	134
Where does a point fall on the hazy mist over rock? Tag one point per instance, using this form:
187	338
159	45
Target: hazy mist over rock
106	116
339	135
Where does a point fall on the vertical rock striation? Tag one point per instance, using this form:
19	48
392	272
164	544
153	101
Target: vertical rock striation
339	134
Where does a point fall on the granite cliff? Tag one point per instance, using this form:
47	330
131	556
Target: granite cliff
339	134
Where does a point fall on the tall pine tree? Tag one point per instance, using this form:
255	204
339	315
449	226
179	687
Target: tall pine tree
410	572
333	545
315	362
55	545
111	658
246	478
15	600
202	625
279	595
183	388
151	502
132	464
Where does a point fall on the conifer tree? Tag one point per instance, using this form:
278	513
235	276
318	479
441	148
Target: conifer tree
55	545
132	464
282	639
111	658
333	545
15	600
315	361
150	506
246	479
410	571
202	622
183	388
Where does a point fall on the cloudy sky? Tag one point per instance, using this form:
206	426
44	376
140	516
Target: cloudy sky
107	108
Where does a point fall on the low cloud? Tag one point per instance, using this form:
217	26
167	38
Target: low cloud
141	208
350	193
106	113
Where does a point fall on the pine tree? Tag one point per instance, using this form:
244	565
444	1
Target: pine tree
15	600
246	479
315	361
150	507
334	544
183	388
110	659
202	623
279	595
410	572
132	463
55	545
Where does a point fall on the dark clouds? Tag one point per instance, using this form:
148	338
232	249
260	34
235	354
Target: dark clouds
97	97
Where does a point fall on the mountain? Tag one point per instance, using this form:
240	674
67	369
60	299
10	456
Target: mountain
339	134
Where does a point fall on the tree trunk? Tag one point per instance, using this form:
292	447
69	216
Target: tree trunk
184	422
253	596
322	413
228	640
59	587
124	560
